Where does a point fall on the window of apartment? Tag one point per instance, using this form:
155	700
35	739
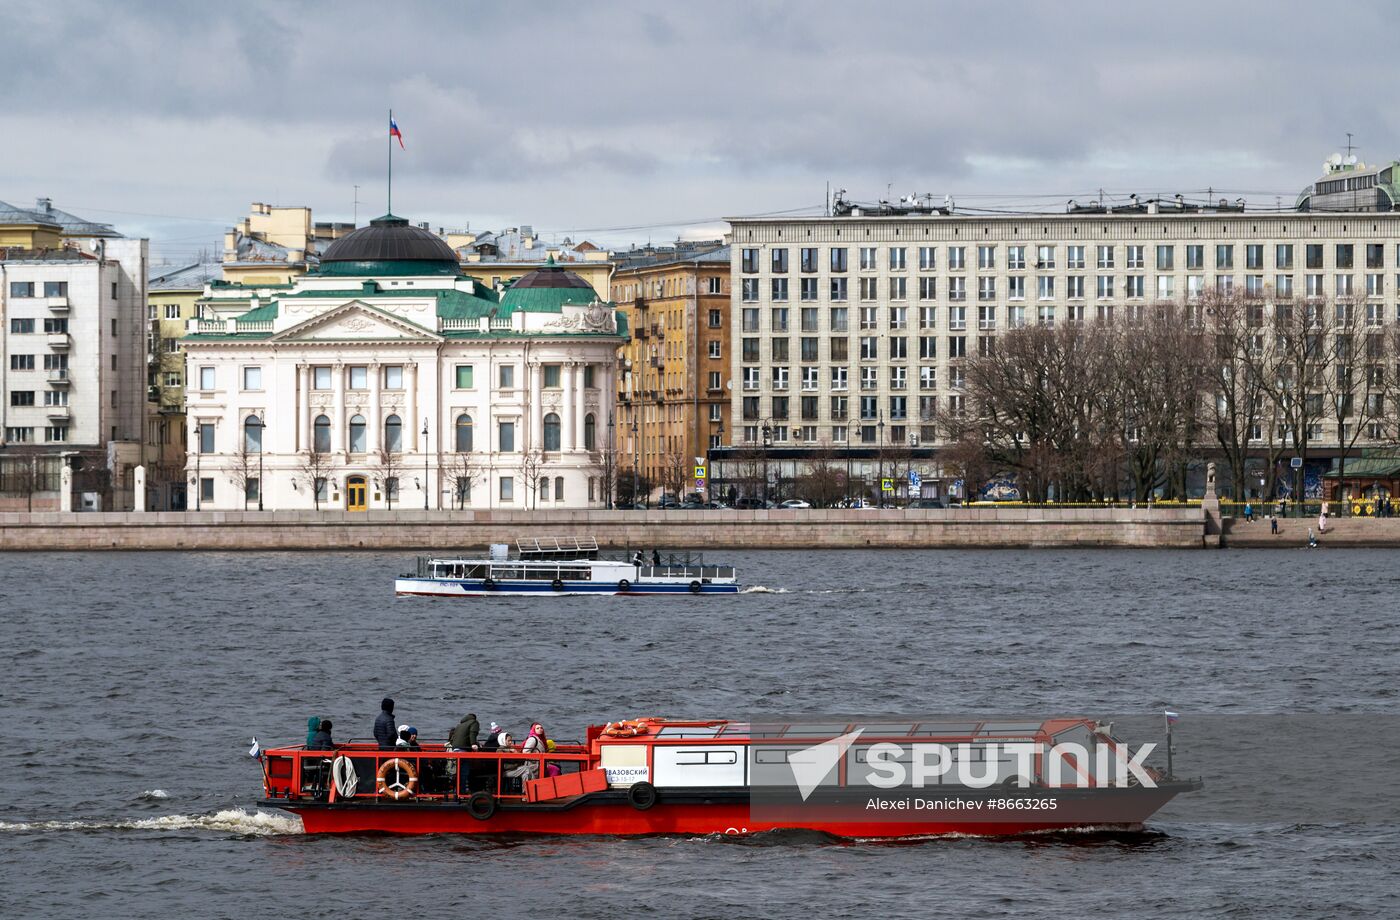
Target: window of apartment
928	258
957	289
1045	257
505	437
928	378
1015	317
1074	286
808	288
780	319
809	347
714	348
1045	287
205	440
928	288
21	397
716	319
779	288
780	411
897	260
838	259
899	348
869	347
1195	256
928	317
506	378
463	377
748	261
1375	255
750	319
1254	285
838	289
869	318
779	260
57	363
252	378
840	378
810	261
1346	254
840	348
957	346
957	258
1166	287
986	257
749	290
957	318
1195	286
715	285
507	488
899	289
869	288
869	380
320	378
779	349
714	380
1135	286
811	377
809	317
868	259
751	378
21	362
56	325
1166	258
172	311
206	378
899	378
1343	285
1254	257
1313	254
928	347
1135	257
1283	255
21	288
899	317
1375	287
19	435
1225	255
986	318
1105	257
1314	285
838	319
553	373
1074	257
750	349
1016	257
986	289
359	377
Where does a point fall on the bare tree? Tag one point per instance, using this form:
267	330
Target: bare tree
675	470
243	470
1299	380
387	466
1235	407
1356	382
314	471
463	469
824	482
532	469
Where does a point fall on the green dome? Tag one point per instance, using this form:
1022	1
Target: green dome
389	246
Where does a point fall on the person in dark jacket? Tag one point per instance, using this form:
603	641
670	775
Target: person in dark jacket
321	741
312	724
463	737
385	731
492	740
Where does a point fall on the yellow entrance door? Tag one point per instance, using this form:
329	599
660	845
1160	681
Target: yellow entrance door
355	494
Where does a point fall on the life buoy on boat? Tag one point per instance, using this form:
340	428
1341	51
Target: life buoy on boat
695	587
404	782
481	805
489	584
557	584
624	586
627	728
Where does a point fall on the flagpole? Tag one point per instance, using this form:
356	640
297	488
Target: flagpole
1166	716
391	164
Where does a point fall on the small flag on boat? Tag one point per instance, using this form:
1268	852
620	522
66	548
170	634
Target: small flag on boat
395	132
1171	716
255	751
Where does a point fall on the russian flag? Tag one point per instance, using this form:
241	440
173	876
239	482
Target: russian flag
394	132
1171	716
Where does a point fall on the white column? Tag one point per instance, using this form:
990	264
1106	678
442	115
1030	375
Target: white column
534	439
411	425
579	378
303	396
338	412
566	407
376	428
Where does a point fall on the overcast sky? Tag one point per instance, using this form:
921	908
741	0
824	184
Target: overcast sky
624	121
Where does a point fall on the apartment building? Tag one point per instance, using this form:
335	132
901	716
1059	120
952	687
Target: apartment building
674	397
851	330
72	361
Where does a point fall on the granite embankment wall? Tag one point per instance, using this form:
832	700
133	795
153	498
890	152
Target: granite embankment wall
1293	531
436	530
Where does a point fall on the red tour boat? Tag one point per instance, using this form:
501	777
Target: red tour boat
664	776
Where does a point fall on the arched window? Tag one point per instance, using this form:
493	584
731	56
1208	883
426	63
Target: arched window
464	433
321	436
252	434
544	488
559	488
551	432
357	434
590	433
393	434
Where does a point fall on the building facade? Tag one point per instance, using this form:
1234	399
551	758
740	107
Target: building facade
389	378
72	356
673	398
851	331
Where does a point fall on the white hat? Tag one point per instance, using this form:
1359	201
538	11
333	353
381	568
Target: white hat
403	727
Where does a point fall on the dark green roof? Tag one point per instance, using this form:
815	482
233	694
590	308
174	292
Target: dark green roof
390	268
544	300
1368	468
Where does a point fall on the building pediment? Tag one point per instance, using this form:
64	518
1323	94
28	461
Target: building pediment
356	321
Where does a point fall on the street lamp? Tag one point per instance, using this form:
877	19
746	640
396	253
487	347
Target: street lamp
880	464
198	480
709	464
610	462
767	443
262	443
425	464
636	456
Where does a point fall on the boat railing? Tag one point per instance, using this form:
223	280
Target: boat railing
557	547
438	775
688	571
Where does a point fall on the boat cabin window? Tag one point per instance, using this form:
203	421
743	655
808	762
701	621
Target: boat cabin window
688	731
1010	728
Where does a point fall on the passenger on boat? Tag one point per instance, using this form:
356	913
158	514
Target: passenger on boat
408	739
321	741
655	557
313	724
463	737
637	558
384	731
490	742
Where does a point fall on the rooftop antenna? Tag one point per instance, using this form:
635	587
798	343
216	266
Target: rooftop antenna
1350	147
357	206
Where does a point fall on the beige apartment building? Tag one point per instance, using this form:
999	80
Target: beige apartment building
850	331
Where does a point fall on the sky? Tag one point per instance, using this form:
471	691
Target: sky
628	122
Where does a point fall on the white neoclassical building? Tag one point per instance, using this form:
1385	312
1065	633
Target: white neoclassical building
389	378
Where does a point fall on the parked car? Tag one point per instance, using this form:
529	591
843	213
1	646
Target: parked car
668	501
751	504
795	503
926	503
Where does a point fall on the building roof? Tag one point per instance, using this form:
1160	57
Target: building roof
546	290
387	239
186	277
509	245
70	224
680	256
9	214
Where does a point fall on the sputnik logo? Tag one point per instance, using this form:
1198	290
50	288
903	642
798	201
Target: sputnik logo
812	765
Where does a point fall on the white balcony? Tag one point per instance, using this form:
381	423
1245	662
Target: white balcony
58	412
58	377
61	341
57	305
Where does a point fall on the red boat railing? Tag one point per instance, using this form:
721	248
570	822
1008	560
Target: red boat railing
398	775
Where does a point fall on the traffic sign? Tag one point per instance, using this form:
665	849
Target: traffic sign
915	480
1296	463
699	472
886	485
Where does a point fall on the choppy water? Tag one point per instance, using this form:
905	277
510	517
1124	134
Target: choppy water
132	683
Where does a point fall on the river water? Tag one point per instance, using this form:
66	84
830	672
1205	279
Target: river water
133	683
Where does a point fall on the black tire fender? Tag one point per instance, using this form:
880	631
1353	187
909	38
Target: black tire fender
489	584
695	587
481	805
641	796
557	584
624	586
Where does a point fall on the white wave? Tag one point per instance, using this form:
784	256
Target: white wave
154	794
228	821
760	589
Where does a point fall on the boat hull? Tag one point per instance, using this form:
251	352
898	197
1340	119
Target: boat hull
431	587
702	812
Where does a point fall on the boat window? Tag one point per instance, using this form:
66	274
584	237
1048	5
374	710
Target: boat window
897	729
688	731
815	730
905	755
1010	728
946	728
690	758
771	755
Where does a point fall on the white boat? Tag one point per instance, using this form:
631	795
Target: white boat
564	566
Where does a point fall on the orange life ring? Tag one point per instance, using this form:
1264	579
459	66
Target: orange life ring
626	729
400	788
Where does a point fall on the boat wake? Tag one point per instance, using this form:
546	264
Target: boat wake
760	589
228	821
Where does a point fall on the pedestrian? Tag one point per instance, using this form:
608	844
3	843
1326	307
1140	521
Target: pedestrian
385	731
1322	522
1312	538
1273	524
1249	512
